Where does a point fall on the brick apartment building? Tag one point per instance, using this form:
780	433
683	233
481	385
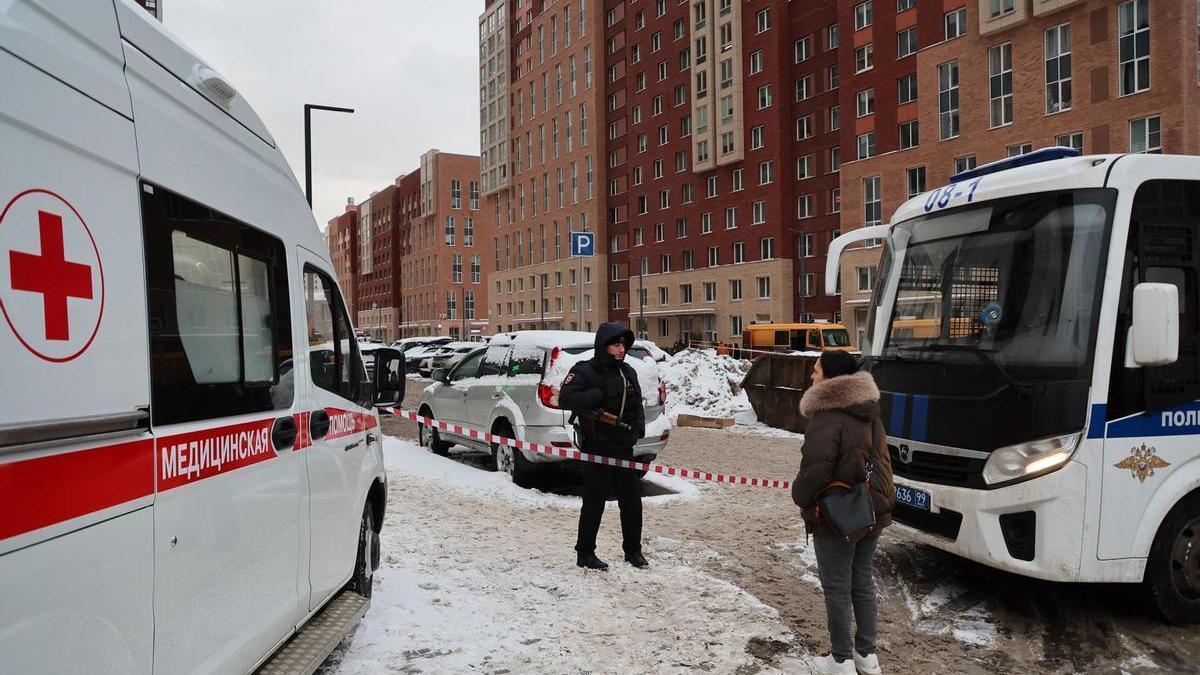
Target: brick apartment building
341	235
706	127
555	151
444	242
411	257
1004	77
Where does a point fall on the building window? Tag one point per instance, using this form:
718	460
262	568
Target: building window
909	135
906	42
835	159
804	127
964	163
756	137
758	212
475	270
835	200
685	294
866	279
831	37
449	230
802	50
907	87
1145	135
1058	68
739	252
865	102
804	167
710	291
764	96
735	289
804	87
664	262
1134	27
948	100
902	5
712	186
756	61
767	248
714	256
1001	7
456	268
916	180
866	145
764	287
763	20
956	23
862	15
737	180
835	118
1074	140
730	217
864	58
659	234
1000	85
766	173
1020	149
705	223
804	207
468	231
872	201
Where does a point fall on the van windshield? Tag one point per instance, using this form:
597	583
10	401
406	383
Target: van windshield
836	337
1015	282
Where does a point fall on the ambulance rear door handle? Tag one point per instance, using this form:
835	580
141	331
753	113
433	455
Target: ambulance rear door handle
283	435
352	446
318	424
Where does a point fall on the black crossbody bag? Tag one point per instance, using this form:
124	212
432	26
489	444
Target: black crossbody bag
846	508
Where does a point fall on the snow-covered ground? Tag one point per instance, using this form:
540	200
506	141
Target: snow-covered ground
479	576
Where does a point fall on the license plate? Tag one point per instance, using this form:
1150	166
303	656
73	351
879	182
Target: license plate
918	499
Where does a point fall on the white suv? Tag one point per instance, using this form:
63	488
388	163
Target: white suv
510	387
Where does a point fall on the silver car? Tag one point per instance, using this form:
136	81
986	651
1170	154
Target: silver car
510	387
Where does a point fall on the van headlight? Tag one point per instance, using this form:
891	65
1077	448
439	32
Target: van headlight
1024	460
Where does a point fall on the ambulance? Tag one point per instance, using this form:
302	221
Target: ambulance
191	468
1048	423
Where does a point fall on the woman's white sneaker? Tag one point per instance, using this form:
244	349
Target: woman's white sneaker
827	665
867	665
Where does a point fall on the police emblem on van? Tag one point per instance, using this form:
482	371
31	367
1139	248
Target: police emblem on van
1142	462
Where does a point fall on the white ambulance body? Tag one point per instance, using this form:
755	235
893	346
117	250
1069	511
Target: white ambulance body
189	447
1049	424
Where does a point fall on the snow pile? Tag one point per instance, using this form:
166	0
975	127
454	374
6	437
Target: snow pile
701	382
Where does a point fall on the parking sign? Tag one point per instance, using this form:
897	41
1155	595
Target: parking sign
583	244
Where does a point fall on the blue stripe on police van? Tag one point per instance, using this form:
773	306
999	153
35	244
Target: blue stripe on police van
899	405
920	417
1181	420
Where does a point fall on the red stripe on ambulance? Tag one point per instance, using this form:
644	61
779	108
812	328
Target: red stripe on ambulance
44	491
187	458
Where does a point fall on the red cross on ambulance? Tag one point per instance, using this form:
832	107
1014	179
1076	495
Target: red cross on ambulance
51	277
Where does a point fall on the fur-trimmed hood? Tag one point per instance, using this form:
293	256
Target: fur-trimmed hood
856	394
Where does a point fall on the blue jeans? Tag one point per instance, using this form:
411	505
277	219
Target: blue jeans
845	569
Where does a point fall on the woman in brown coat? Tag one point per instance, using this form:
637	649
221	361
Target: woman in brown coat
843	437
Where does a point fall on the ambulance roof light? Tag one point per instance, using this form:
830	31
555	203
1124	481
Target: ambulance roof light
1035	157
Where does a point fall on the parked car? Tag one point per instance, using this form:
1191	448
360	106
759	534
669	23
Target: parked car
658	354
413	356
510	388
405	344
445	356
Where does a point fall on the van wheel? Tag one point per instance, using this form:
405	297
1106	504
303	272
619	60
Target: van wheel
1173	571
368	554
429	435
511	461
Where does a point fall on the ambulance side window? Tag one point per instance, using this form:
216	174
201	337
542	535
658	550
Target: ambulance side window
333	355
220	324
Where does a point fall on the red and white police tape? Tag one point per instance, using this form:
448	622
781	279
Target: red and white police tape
571	453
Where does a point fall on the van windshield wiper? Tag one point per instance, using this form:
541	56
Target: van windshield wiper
1023	388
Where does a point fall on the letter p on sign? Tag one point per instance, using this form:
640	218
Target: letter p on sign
583	244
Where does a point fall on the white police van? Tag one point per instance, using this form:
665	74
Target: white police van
1050	424
190	461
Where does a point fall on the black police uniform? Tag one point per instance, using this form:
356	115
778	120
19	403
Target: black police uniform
604	384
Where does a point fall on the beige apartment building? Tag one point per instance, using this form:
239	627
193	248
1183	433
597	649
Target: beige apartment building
1014	76
556	169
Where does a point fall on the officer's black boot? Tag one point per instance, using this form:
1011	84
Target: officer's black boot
636	559
591	562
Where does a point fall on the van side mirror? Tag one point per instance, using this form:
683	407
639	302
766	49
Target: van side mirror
1154	336
389	378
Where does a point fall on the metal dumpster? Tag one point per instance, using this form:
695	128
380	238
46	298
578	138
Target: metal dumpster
775	384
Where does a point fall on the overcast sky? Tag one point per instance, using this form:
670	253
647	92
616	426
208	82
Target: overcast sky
408	67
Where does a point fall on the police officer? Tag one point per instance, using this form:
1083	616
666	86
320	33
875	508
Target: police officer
604	396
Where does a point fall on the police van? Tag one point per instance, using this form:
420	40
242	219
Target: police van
190	458
1048	422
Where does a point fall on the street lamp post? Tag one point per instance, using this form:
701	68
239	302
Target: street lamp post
802	254
308	108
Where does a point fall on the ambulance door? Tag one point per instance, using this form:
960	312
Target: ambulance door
337	419
76	481
227	510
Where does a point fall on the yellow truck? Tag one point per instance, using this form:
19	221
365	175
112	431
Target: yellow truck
800	337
